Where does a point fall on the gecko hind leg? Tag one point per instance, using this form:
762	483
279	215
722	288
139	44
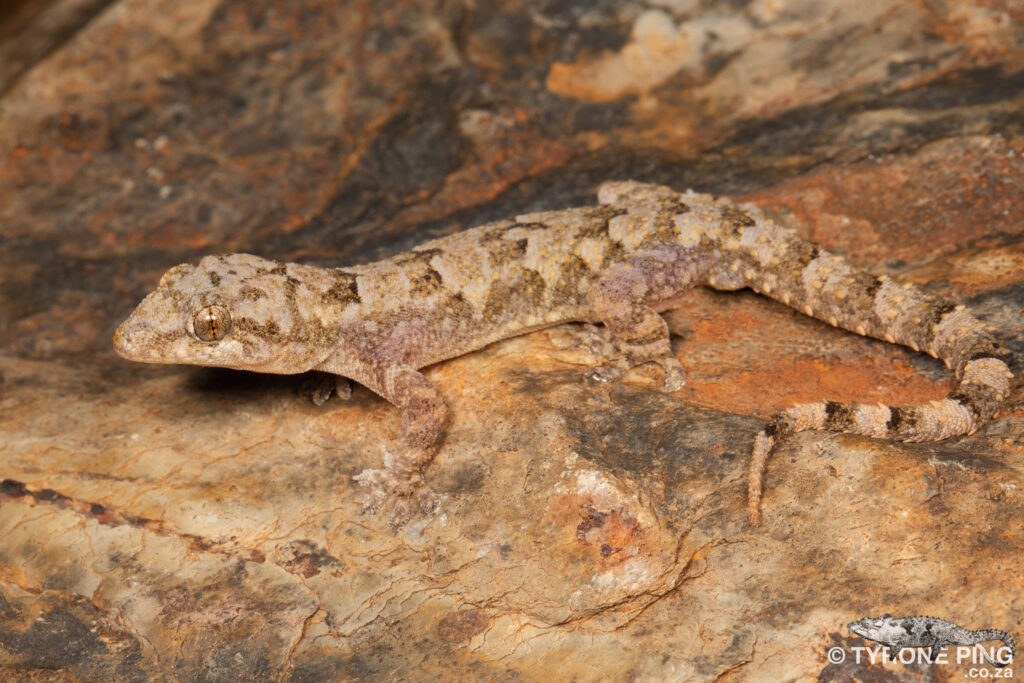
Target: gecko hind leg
622	299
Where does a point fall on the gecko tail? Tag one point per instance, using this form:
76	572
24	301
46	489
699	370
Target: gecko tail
984	386
987	635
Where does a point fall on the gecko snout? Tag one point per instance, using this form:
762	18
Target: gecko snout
130	340
134	341
122	341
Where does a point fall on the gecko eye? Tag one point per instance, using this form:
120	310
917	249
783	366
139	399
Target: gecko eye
212	323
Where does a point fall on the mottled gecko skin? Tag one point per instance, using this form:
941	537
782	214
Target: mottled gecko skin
618	263
929	632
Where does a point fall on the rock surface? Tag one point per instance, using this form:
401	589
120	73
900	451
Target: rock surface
174	523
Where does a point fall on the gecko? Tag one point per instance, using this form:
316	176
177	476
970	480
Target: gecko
621	262
929	632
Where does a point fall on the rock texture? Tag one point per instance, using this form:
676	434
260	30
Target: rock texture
173	523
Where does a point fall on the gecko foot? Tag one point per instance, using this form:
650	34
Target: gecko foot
621	357
675	373
658	352
593	339
392	495
320	386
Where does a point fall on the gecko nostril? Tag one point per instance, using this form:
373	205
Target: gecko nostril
121	342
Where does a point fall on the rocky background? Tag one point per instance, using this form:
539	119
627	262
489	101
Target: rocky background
176	523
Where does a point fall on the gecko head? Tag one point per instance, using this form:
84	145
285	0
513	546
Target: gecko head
238	311
879	629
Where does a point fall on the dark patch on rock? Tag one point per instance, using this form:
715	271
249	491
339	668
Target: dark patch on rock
460	626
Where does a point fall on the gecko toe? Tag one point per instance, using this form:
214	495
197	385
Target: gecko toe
428	501
394	496
675	374
372	502
611	372
376	483
399	513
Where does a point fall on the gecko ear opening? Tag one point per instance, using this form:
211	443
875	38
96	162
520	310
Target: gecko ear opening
212	323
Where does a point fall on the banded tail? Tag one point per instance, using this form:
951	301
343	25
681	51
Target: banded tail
832	290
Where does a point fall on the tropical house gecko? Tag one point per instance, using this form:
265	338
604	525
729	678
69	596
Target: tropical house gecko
619	263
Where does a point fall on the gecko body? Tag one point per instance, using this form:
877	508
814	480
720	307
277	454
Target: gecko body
619	263
930	632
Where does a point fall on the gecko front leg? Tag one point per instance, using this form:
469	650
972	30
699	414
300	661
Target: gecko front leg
423	414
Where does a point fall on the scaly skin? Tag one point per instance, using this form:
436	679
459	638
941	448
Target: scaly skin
618	263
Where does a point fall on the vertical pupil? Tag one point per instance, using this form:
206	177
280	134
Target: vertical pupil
212	323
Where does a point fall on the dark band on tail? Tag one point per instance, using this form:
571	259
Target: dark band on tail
779	427
982	400
838	416
900	421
